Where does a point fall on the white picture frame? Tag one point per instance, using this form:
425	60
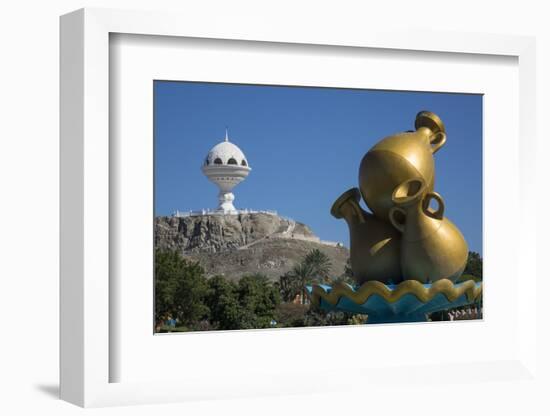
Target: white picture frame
87	356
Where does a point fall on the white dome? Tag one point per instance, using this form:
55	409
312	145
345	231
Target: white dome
226	166
226	153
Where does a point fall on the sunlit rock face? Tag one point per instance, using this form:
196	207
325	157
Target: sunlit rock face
234	245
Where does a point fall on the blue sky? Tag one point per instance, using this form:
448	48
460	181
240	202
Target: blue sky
304	146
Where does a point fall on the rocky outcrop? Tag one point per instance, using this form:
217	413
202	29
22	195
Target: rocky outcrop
234	245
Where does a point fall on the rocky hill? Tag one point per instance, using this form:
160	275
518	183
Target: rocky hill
234	245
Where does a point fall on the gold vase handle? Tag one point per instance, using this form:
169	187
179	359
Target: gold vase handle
393	210
437	141
438	213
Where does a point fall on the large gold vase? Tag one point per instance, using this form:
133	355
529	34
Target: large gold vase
432	247
397	158
374	244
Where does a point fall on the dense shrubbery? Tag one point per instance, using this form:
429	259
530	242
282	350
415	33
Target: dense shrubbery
474	266
293	315
187	301
180	290
249	303
183	294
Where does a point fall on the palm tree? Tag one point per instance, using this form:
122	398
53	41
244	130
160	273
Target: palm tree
288	287
303	274
320	265
314	268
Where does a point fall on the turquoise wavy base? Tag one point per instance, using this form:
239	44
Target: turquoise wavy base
410	301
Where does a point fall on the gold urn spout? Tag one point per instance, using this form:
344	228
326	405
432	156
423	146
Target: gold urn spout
347	207
374	244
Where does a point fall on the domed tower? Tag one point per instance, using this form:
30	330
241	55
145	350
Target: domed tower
226	166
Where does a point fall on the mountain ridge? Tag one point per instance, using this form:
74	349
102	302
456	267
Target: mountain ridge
244	243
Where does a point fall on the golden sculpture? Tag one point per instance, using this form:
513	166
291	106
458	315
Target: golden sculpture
405	239
432	247
397	158
374	244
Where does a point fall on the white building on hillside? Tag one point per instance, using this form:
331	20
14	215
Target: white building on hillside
226	166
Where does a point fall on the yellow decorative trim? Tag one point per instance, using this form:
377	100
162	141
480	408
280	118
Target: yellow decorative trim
414	287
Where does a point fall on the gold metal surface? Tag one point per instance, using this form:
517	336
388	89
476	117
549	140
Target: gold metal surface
397	158
432	247
374	244
396	181
424	294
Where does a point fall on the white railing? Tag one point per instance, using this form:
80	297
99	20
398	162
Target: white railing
332	243
284	234
202	212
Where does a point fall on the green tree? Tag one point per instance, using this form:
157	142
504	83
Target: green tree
258	299
319	264
180	289
289	287
249	303
303	274
474	265
223	302
314	268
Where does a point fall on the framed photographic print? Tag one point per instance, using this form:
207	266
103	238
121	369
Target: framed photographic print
268	212
223	267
